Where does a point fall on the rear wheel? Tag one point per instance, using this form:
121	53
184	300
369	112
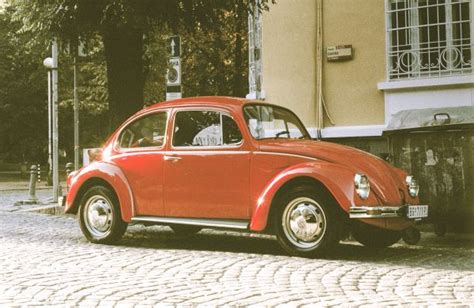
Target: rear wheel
99	216
372	236
306	223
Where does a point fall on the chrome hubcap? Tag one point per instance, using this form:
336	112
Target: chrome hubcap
98	216
304	222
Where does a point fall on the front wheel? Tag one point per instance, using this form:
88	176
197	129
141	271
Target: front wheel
306	222
99	216
374	237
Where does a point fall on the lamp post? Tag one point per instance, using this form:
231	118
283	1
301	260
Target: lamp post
51	63
48	63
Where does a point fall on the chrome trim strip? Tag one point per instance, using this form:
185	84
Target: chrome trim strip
205	222
284	154
203	153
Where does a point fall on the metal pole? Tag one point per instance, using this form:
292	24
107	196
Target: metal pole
55	121
76	119
50	149
257	34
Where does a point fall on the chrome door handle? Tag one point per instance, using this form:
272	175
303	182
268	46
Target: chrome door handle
172	158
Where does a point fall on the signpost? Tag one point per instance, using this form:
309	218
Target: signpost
173	74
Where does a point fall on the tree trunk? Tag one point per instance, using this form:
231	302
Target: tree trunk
125	77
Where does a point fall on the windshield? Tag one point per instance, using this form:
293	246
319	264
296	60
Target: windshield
266	121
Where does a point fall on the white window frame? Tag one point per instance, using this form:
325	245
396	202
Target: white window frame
467	68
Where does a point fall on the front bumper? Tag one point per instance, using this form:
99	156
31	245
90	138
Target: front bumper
358	212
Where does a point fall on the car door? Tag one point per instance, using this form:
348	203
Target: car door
206	167
139	155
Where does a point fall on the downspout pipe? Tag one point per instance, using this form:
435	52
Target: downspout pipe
319	69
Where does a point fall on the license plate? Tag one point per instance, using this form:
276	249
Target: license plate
417	211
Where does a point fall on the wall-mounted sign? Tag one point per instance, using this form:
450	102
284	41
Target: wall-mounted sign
339	53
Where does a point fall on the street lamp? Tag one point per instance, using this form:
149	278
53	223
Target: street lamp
48	63
51	63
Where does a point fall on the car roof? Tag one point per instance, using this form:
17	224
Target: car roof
204	100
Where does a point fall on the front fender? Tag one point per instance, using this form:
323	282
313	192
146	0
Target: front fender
338	180
104	171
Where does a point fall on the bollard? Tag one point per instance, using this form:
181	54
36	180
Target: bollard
32	186
39	173
34	177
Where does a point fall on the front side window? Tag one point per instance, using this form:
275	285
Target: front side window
266	121
205	129
428	38
148	131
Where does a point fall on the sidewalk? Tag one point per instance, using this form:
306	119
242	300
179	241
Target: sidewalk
14	191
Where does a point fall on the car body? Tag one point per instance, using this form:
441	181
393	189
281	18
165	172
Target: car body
225	162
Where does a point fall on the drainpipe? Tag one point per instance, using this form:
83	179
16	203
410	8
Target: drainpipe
319	68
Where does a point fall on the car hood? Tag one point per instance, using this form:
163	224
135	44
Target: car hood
386	181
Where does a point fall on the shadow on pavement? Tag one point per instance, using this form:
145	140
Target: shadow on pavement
450	252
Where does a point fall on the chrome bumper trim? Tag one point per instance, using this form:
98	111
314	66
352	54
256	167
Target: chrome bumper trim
214	223
377	211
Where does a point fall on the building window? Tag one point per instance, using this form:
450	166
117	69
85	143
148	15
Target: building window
429	38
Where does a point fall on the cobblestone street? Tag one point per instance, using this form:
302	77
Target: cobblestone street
45	260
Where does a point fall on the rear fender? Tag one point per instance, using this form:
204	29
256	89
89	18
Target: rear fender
106	172
337	179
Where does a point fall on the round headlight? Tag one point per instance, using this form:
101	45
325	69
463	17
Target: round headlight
362	185
412	185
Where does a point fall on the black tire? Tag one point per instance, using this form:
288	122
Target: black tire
100	217
411	236
306	222
185	230
374	237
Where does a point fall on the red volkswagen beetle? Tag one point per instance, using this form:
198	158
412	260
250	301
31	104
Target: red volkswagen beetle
221	162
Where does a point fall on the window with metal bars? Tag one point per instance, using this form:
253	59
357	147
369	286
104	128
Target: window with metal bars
429	38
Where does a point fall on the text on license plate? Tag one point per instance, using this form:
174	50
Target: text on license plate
417	211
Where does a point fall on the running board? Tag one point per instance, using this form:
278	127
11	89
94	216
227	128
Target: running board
204	222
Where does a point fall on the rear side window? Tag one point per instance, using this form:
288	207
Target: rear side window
148	131
205	128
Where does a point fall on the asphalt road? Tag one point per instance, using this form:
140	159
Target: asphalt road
45	260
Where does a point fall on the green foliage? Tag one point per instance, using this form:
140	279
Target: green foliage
23	111
214	62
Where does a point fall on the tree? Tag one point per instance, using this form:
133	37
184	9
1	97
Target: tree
22	95
122	24
214	61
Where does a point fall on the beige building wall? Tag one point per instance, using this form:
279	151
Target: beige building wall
289	57
350	87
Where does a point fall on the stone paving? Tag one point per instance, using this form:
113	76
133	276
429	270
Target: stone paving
45	260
